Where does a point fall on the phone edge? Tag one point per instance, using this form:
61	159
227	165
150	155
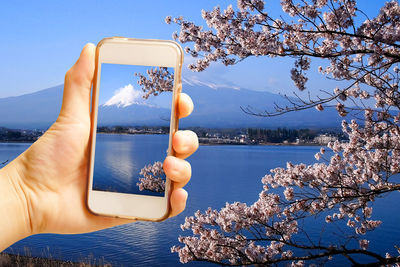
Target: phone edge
174	123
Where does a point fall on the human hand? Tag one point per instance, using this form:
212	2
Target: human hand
50	178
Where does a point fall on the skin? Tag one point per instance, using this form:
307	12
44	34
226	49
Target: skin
44	189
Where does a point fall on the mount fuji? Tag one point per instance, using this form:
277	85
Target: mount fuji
216	106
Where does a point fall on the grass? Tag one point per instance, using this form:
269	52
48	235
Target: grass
16	260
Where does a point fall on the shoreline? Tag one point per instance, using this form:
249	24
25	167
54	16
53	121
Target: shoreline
206	136
9	259
132	133
260	144
229	141
17	142
202	141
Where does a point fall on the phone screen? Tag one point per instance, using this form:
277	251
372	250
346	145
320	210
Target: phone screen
132	129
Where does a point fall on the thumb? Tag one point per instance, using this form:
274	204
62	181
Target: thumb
77	87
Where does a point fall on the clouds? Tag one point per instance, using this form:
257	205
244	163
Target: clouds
194	80
125	96
213	77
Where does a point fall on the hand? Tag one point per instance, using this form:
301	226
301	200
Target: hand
49	179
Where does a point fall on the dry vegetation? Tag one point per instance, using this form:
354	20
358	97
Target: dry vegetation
13	260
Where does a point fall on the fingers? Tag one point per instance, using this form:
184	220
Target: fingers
185	143
185	105
77	85
178	170
178	201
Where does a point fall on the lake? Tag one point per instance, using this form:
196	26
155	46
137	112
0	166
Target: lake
119	158
220	174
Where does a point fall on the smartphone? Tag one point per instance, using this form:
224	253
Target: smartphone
133	115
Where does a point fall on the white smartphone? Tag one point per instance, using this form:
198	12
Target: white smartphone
132	127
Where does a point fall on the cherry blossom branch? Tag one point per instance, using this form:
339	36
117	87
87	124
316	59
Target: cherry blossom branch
153	178
159	80
228	27
343	186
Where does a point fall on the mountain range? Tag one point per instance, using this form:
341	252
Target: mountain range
215	107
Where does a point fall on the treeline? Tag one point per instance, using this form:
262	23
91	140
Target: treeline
16	135
133	129
280	135
220	132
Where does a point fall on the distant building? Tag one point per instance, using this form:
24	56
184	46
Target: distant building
324	139
242	138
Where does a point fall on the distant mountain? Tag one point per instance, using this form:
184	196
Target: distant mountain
221	108
128	107
134	114
30	111
215	106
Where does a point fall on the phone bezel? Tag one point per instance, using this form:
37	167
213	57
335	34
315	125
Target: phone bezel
145	52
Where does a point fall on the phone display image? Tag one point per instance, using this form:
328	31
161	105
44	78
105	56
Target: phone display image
132	129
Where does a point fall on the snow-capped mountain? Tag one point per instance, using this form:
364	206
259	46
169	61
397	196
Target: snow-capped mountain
215	106
128	107
125	97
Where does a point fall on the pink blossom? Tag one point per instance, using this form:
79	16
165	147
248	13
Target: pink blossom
289	193
153	178
168	19
364	244
159	80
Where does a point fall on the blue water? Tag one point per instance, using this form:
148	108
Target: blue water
220	174
119	159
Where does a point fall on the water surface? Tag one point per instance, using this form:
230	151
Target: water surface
220	174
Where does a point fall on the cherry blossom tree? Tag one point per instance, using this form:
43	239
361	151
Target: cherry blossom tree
155	81
153	178
338	192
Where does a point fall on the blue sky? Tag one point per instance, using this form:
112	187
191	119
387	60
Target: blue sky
42	40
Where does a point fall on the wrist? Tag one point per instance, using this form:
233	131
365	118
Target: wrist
14	207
